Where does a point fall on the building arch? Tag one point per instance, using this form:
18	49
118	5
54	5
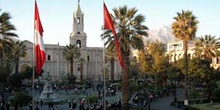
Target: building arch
24	67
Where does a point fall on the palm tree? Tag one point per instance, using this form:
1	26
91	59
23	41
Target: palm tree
184	28
5	25
130	31
80	68
6	29
110	55
207	47
6	60
70	53
18	50
5	47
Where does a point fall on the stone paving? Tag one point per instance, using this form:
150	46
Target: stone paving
159	104
67	96
164	102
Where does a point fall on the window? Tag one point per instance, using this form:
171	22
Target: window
48	57
78	20
87	58
78	43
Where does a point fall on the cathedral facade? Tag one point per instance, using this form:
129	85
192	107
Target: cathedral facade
57	67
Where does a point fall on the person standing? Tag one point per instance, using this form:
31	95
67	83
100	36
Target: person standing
37	108
41	102
30	106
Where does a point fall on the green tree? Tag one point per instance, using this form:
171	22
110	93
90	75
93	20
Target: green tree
16	81
157	63
200	72
18	50
6	28
5	70
157	51
145	60
6	66
199	69
27	73
20	99
184	28
207	47
80	68
174	72
130	31
6	31
110	55
70	53
6	50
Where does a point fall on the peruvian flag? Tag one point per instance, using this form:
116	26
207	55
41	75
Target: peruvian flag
108	24
39	44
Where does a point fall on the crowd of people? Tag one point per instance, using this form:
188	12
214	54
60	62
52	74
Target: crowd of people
109	91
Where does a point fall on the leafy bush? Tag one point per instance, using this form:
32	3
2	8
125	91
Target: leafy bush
92	99
20	99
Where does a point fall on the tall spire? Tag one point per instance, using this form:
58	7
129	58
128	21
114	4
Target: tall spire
78	10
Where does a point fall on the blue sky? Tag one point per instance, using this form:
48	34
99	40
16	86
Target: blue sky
57	16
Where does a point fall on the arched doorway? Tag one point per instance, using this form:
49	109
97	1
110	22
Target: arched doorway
24	67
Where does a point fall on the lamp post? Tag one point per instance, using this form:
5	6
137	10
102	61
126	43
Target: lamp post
175	83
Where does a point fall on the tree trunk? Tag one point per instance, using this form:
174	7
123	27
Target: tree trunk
125	85
16	65
185	44
112	68
71	67
81	73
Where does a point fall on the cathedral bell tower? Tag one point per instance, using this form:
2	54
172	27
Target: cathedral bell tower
78	36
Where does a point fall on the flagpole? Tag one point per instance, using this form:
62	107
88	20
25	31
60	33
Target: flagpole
39	55
33	72
104	94
33	63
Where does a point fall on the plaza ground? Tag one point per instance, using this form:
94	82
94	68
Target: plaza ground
66	96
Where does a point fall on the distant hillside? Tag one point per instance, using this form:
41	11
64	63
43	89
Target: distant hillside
162	34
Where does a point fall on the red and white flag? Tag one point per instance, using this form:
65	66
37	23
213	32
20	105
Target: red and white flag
108	24
40	54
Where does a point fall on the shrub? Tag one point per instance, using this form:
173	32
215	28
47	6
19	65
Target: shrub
20	99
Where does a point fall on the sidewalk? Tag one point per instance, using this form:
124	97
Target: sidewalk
164	102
